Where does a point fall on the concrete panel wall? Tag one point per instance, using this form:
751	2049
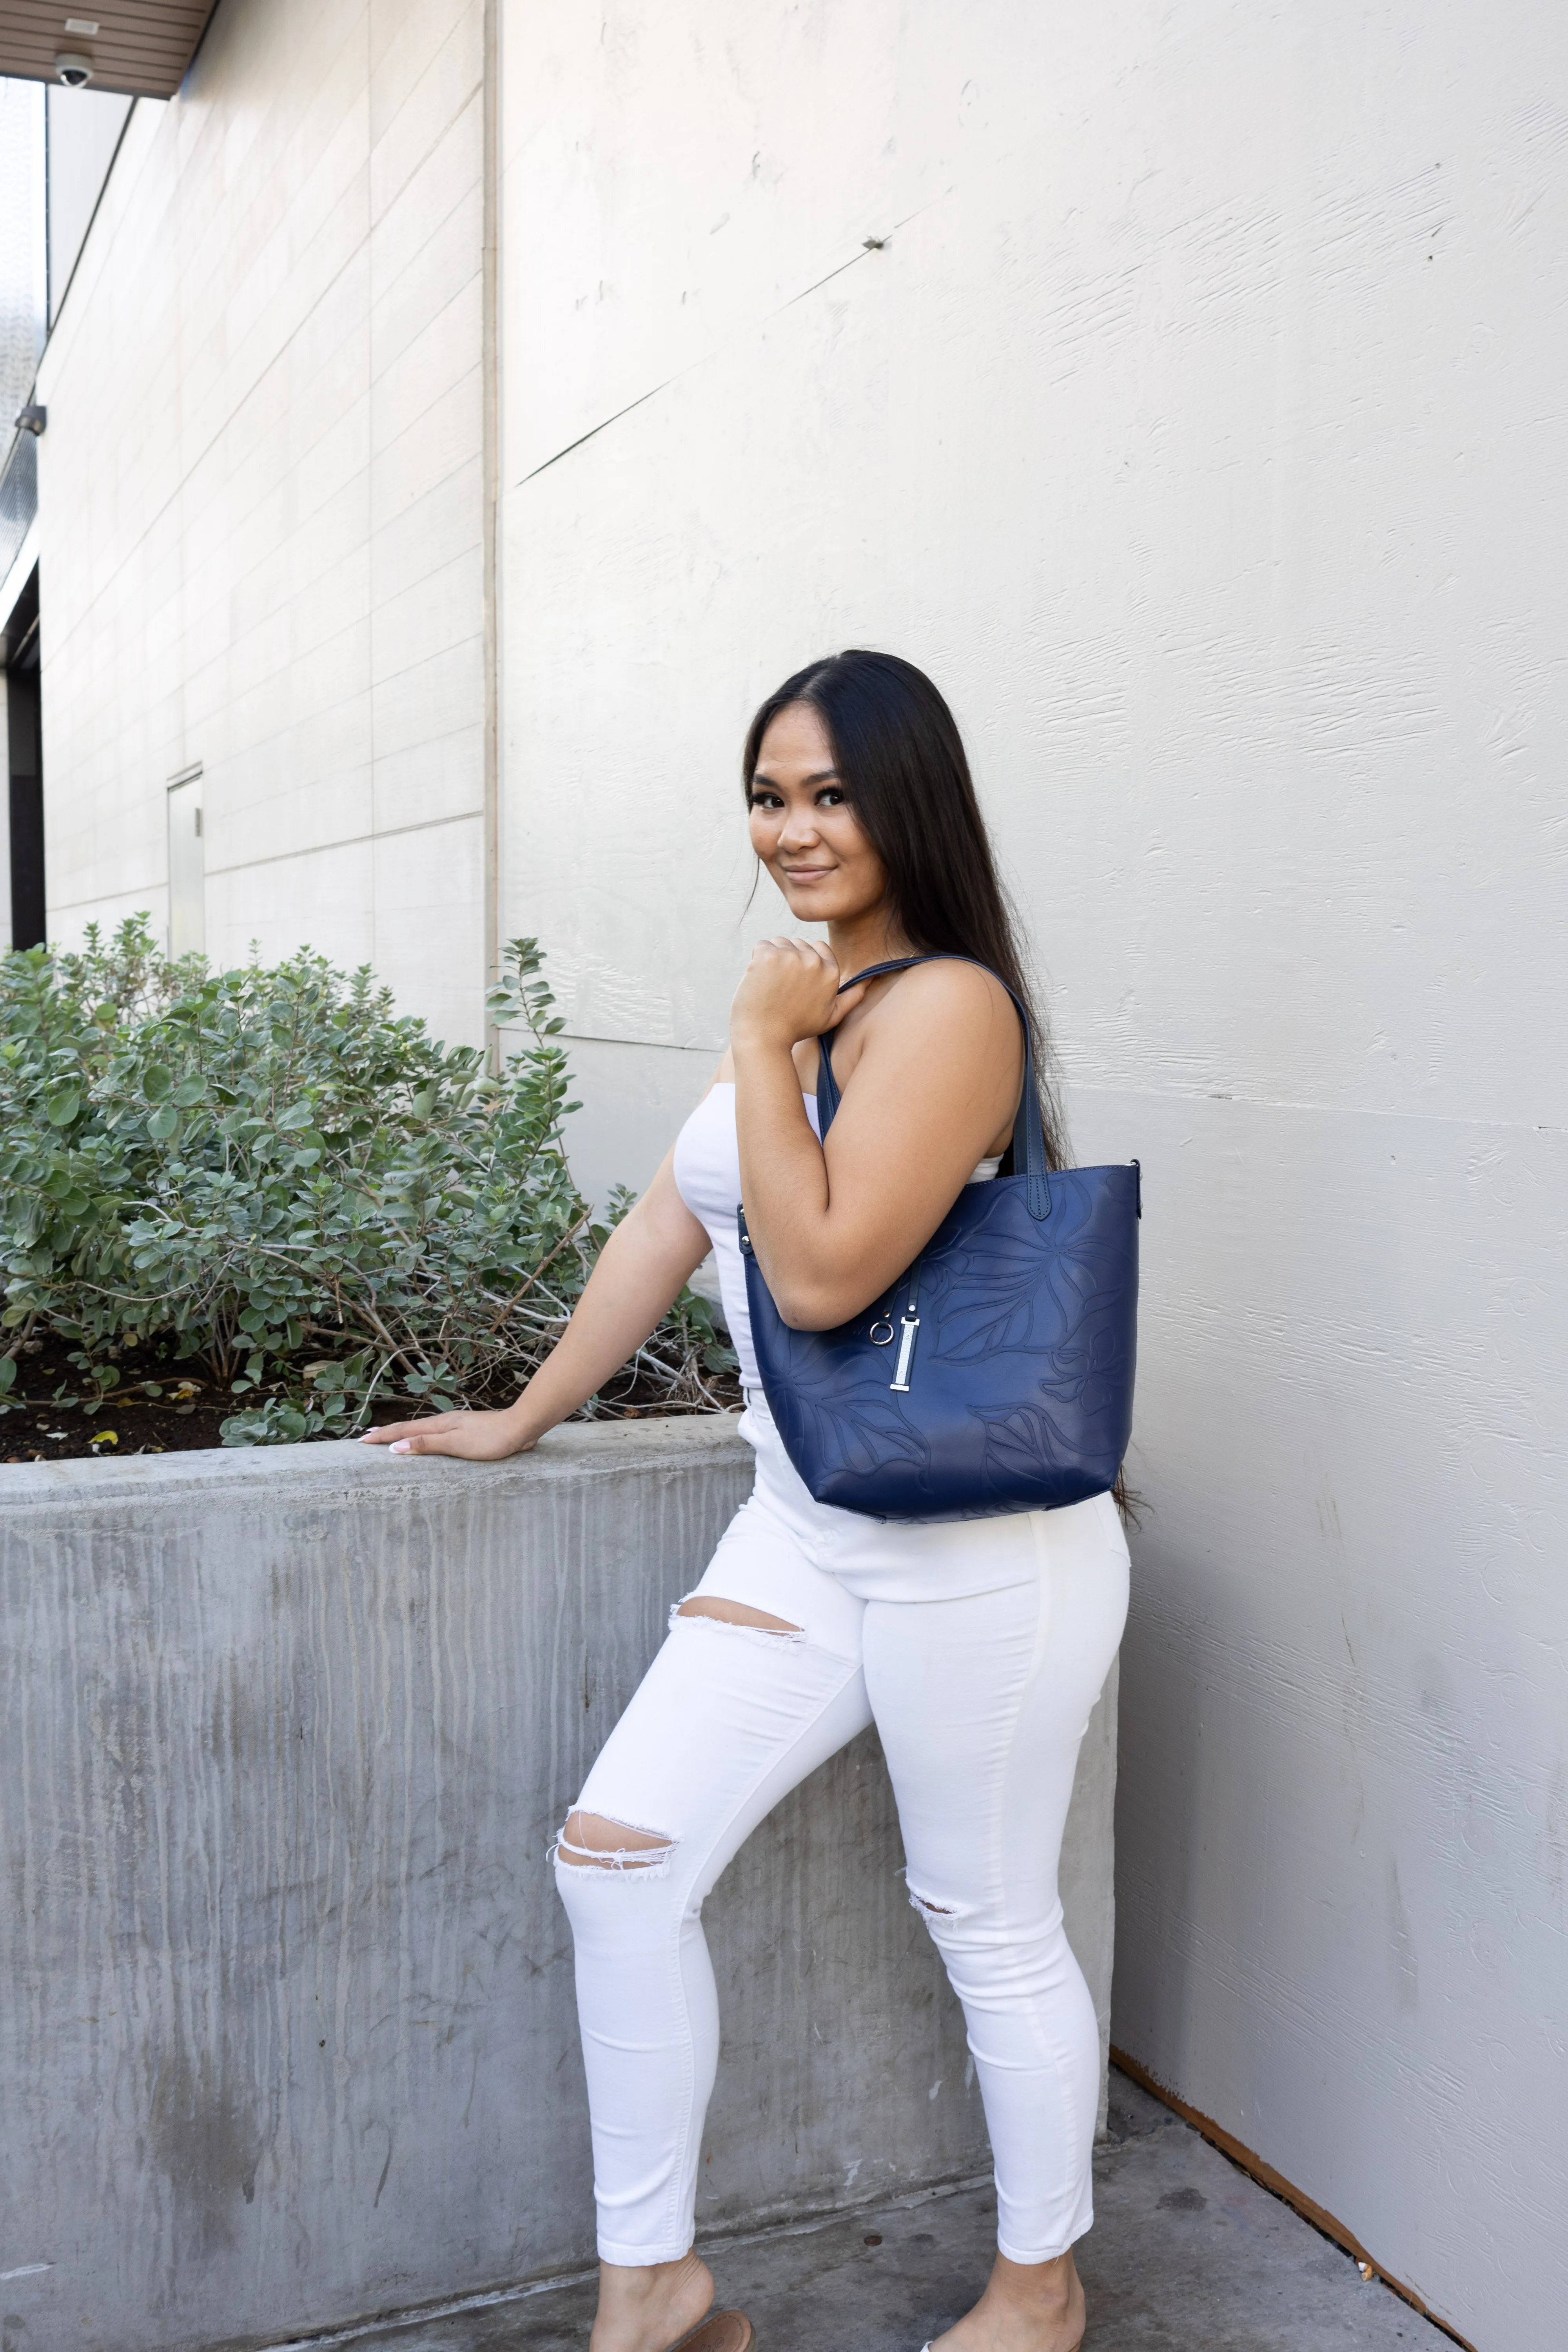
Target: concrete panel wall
261	503
287	2032
1182	385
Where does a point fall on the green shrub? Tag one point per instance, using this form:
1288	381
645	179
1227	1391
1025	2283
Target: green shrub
270	1168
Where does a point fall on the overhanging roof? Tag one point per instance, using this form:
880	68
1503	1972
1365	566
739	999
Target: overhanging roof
141	46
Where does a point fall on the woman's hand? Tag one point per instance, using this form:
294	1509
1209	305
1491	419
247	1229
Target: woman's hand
471	1436
789	990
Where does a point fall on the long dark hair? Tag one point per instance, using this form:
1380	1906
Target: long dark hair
902	762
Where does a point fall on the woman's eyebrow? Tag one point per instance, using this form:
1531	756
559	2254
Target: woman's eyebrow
822	776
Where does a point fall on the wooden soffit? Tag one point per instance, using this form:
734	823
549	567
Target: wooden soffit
141	47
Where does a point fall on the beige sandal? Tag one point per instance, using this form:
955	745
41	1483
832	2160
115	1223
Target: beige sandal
721	2331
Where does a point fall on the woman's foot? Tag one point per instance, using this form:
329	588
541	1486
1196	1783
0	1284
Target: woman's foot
1026	2307
648	2308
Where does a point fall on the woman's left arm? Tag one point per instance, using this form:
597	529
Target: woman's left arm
936	1080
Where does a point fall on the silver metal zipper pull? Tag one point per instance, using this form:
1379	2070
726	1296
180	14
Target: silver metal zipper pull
906	1329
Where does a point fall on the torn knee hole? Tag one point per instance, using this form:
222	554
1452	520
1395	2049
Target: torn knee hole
929	1910
737	1617
589	1842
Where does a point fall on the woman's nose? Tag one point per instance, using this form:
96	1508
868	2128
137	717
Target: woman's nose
798	828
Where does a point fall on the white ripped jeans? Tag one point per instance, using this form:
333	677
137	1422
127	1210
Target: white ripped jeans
978	1649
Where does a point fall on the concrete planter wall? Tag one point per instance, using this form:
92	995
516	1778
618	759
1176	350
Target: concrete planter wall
286	2014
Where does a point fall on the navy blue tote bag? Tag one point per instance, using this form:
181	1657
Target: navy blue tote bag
996	1374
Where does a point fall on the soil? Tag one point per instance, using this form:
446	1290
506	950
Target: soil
56	1414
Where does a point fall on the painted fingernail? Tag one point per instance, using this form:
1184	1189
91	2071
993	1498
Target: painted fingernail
398	1445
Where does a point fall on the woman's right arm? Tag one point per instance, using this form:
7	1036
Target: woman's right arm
655	1248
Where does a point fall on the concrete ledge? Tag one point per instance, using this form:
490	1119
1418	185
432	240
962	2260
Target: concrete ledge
286	2019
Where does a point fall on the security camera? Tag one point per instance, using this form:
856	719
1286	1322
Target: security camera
74	69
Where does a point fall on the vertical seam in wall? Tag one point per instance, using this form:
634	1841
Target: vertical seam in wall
489	368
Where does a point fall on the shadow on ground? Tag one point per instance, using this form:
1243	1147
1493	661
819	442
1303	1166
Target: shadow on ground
1186	2254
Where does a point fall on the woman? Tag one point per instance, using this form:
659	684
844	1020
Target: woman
978	1648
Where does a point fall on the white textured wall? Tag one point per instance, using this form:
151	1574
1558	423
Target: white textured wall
1199	426
261	494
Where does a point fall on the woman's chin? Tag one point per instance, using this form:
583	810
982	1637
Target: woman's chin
820	902
809	906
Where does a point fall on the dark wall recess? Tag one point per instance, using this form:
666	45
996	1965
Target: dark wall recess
25	748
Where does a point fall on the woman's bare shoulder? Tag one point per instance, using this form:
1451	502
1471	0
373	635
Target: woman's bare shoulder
945	996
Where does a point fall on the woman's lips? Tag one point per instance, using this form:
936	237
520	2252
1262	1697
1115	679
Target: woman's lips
807	873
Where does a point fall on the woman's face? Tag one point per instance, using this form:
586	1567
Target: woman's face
803	829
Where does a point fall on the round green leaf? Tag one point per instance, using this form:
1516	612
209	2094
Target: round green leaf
164	1122
189	1091
62	1105
156	1082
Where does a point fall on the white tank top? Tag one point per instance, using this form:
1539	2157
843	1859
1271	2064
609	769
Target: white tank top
707	1178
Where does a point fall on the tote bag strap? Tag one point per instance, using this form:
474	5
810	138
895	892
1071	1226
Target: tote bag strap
1028	1129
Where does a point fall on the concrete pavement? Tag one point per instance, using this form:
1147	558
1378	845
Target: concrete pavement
1187	2254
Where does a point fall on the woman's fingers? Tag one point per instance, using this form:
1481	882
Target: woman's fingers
471	1436
846	1002
394	1431
801	950
787	990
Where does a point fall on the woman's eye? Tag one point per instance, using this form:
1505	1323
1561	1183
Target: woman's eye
831	796
766	800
